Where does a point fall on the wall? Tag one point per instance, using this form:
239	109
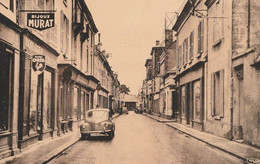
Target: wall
219	58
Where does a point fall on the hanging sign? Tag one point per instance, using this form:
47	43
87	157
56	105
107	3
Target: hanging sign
40	21
38	63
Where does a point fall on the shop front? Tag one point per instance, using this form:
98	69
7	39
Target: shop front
103	98
191	98
9	86
38	83
76	96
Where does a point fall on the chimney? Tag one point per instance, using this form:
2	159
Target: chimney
157	42
168	37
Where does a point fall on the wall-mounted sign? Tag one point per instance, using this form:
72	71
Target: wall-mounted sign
40	21
38	63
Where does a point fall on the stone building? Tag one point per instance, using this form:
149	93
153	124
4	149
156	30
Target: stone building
234	37
156	77
148	87
168	66
9	78
192	56
48	98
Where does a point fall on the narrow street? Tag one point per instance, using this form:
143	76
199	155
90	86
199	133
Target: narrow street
139	139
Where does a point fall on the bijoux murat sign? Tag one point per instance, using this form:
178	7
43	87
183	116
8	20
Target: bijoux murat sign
40	21
38	63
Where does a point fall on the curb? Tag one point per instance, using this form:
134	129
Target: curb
162	121
215	146
50	156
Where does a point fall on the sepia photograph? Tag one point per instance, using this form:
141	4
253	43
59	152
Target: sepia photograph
129	81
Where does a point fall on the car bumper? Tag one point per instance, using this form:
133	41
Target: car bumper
95	132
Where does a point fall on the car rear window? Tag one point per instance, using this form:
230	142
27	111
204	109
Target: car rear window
97	114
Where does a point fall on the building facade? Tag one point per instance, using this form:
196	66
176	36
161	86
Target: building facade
168	66
47	99
9	78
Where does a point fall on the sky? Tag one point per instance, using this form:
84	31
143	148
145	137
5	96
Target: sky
129	29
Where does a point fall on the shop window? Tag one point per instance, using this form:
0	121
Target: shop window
5	66
83	105
33	102
197	100
47	101
183	100
217	94
75	103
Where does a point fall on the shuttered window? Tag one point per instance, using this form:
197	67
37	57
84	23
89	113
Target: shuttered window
191	45
200	37
217	93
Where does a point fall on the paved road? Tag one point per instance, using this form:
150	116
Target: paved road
141	140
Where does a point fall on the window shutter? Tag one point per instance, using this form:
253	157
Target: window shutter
183	53
202	36
67	35
199	38
212	94
187	47
61	30
221	93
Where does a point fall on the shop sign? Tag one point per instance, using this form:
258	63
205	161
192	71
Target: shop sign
38	63
40	21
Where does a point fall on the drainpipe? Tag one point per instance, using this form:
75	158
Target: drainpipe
248	25
232	80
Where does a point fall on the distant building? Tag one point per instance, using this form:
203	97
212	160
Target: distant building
129	101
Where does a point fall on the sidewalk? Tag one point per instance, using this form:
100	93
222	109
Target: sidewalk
44	151
239	150
159	119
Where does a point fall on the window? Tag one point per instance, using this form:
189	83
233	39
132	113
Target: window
217	94
87	59
75	103
200	37
185	51
183	99
82	105
64	33
191	45
47	101
218	23
197	100
12	5
33	103
180	55
5	82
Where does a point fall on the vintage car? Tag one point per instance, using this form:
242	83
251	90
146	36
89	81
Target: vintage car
98	122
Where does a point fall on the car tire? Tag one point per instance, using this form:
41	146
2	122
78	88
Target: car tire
83	136
111	134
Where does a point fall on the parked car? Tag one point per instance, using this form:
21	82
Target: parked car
99	122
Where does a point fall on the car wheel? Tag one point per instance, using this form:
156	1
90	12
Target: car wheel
83	136
111	134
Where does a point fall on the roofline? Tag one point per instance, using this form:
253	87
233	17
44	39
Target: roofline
183	15
88	13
